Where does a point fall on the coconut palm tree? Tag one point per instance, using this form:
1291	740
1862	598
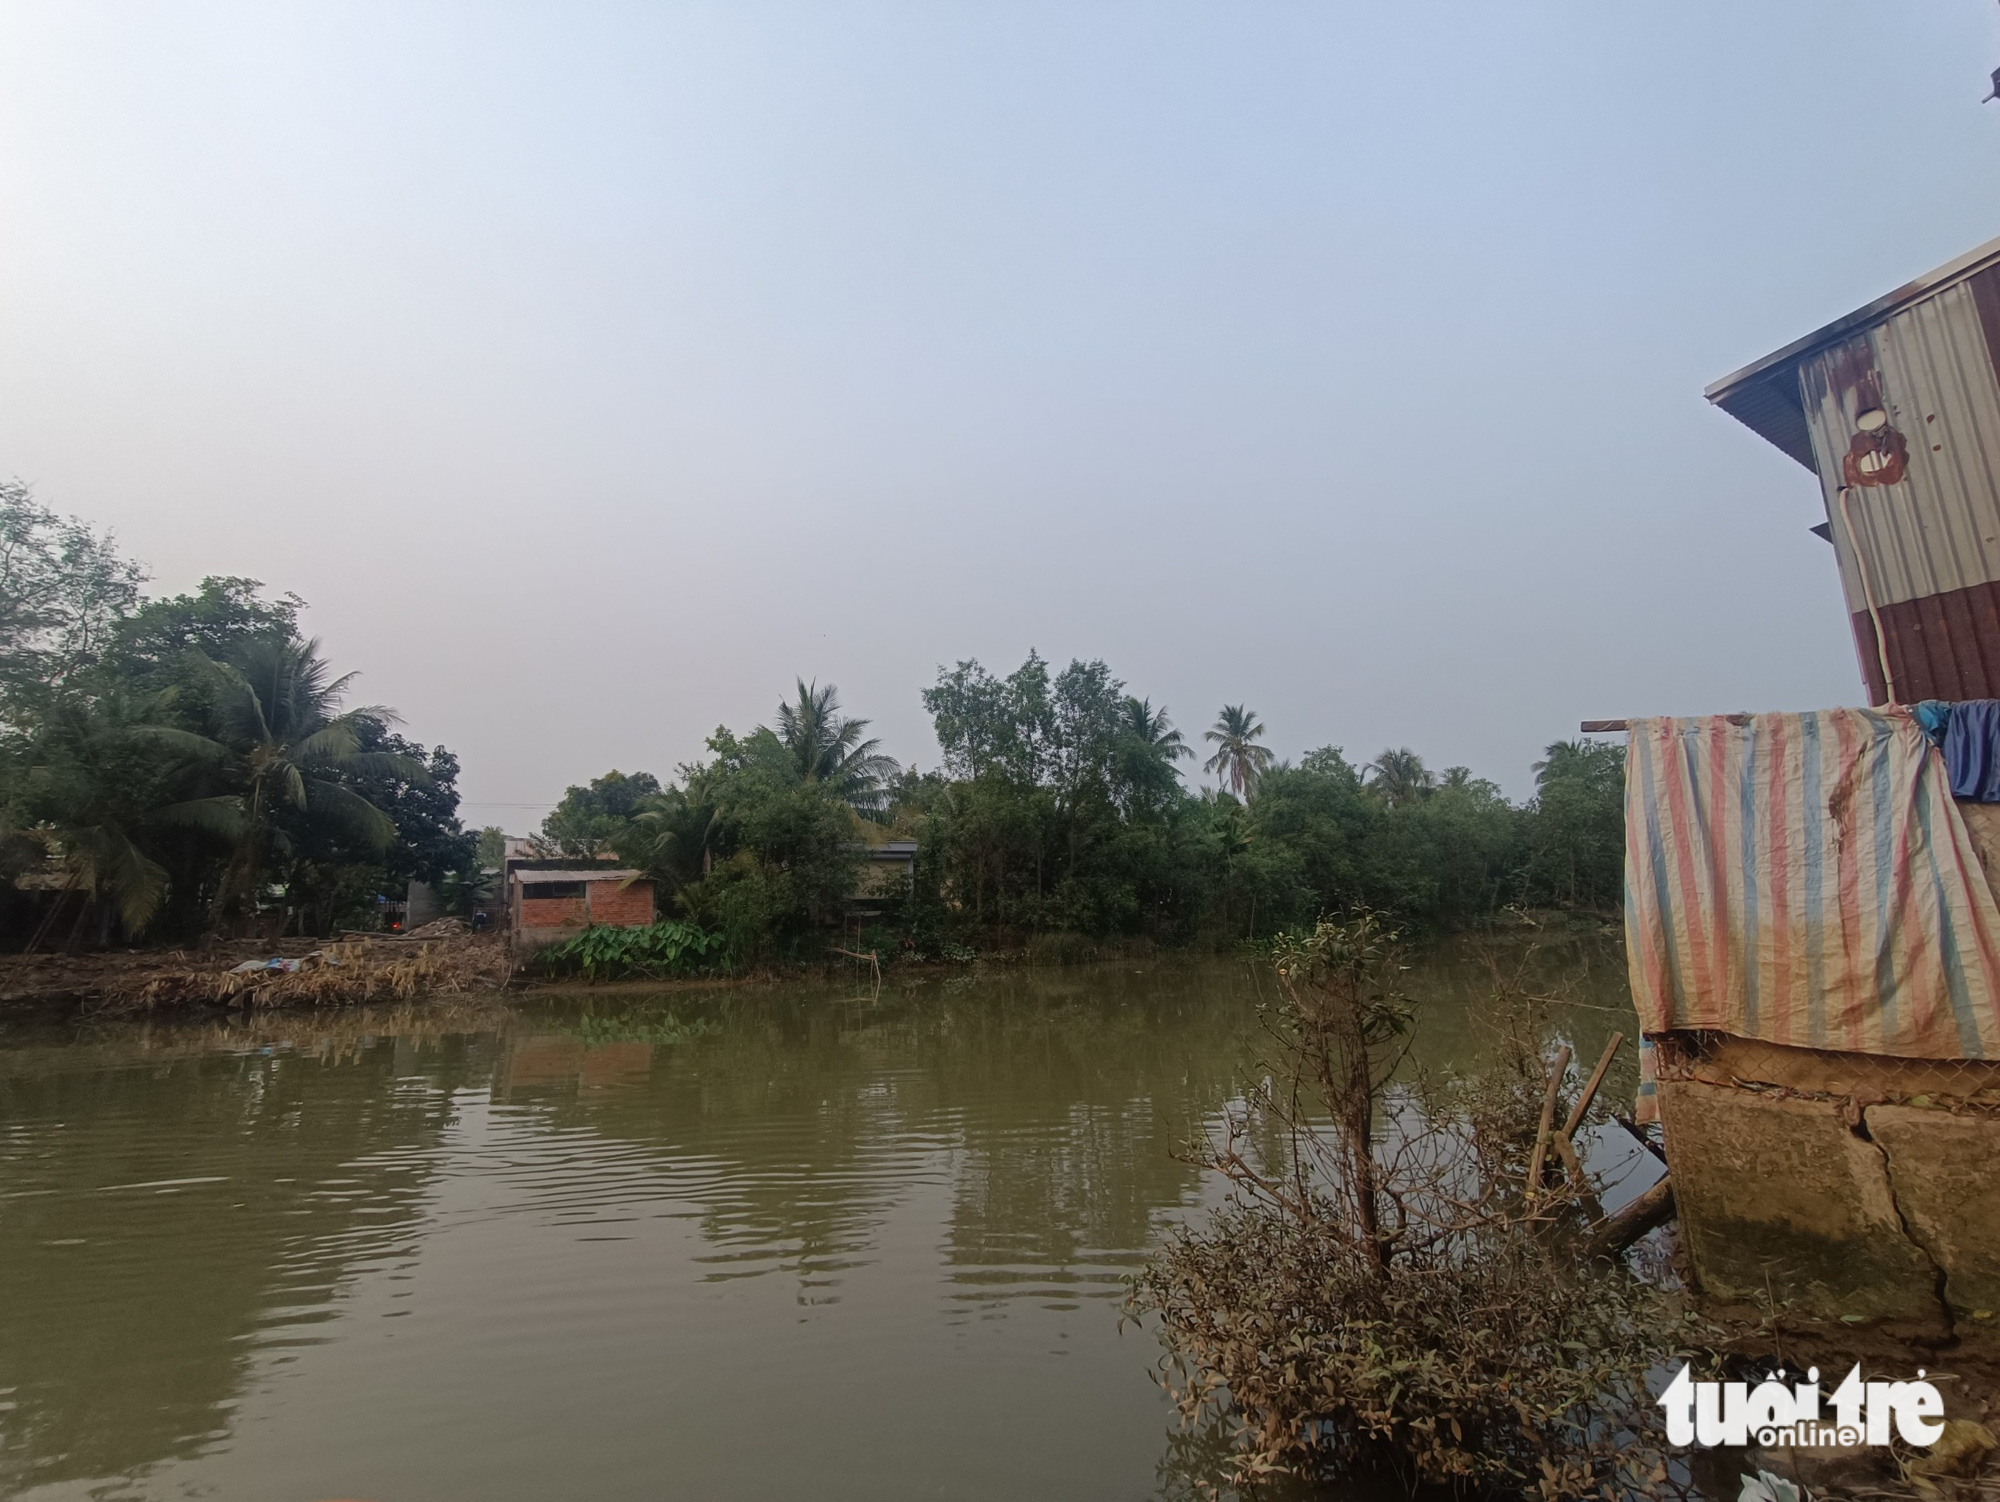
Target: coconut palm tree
93	786
826	748
1237	762
1149	747
1585	760
1398	777
284	743
672	835
1151	728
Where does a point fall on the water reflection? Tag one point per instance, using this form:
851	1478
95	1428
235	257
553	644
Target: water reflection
160	1224
741	1243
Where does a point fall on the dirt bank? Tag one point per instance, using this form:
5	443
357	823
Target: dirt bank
306	972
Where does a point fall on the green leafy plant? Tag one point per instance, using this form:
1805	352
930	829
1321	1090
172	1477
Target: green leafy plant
600	952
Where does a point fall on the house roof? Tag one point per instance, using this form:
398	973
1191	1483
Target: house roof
587	873
1764	395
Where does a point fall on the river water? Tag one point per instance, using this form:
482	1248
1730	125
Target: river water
754	1243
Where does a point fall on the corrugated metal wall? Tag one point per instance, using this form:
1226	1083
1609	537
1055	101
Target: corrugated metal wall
1905	422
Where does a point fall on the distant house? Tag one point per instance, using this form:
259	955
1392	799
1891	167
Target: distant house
548	900
886	870
885	875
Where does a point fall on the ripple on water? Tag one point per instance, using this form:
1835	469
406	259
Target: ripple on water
870	1249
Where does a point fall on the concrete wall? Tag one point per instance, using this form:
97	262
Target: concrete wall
1844	1186
420	905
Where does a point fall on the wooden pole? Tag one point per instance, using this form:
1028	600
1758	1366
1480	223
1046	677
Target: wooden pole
1547	1122
1573	1166
1590	1090
1653	1208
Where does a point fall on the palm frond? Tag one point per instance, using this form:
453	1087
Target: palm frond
385	764
333	742
195	747
348	807
112	866
238	705
223	816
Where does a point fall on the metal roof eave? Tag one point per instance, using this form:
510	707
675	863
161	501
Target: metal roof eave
578	874
1763	395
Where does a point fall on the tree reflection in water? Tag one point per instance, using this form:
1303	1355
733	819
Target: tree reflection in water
598	1208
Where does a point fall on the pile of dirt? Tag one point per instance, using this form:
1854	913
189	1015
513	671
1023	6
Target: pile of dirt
261	973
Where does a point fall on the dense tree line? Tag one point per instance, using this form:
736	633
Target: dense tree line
1062	807
188	765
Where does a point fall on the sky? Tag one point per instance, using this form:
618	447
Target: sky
596	370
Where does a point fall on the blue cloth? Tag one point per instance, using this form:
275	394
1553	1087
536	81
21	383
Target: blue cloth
1934	716
1972	750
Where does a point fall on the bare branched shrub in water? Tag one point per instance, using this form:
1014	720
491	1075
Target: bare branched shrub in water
1382	1292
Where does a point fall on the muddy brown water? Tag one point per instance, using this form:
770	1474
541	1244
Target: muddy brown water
809	1242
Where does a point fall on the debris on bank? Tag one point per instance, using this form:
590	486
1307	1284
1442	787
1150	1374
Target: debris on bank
439	958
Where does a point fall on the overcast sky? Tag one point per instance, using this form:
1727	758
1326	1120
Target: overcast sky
593	370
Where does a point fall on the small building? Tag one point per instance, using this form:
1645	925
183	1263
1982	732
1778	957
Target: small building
1814	952
1895	409
547	901
886	871
1811	924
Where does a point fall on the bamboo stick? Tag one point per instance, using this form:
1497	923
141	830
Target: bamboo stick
1573	1166
1590	1089
1547	1122
1566	1150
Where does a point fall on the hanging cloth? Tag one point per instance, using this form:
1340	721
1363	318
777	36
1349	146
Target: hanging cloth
1972	750
1807	879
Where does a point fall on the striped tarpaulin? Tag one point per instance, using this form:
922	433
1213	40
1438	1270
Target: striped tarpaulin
1806	879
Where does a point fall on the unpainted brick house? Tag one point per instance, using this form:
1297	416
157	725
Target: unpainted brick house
544	906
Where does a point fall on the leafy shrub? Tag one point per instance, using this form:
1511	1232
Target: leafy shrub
661	949
1385	1292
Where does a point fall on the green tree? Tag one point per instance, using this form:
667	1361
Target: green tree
290	754
994	726
1149	753
780	850
1304	843
590	820
170	643
91	801
1238	761
63	590
672	836
1576	826
1399	777
177	760
335	870
827	749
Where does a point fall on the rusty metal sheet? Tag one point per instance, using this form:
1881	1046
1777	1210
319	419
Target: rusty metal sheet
1898	407
1939	647
1780	366
1905	421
